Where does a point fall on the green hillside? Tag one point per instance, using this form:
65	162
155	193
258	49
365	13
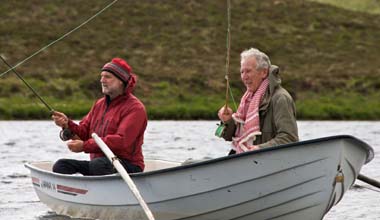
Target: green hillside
368	6
329	56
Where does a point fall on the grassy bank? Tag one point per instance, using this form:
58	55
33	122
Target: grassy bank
367	6
338	106
328	55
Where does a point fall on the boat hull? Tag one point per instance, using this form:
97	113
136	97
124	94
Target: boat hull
296	181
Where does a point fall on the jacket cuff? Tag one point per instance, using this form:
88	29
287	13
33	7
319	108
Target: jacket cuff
71	125
88	146
229	131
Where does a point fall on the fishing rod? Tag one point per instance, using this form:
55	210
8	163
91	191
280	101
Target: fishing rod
60	38
27	84
221	127
228	54
228	46
45	47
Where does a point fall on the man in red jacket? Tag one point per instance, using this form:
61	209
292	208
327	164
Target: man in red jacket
119	118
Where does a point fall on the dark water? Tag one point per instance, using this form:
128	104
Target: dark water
26	141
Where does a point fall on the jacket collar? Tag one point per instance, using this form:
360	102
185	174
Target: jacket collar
117	99
274	82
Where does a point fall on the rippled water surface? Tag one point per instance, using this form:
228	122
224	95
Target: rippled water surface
26	141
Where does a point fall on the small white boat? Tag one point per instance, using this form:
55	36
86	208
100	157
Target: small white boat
290	182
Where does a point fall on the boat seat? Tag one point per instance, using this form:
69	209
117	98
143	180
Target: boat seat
151	165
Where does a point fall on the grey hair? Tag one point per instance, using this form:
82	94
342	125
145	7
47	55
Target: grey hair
262	59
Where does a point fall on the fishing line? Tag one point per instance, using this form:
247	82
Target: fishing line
27	84
59	39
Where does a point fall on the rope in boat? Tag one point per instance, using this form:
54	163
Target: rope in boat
228	86
60	38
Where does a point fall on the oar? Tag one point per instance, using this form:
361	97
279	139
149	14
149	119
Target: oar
368	180
114	160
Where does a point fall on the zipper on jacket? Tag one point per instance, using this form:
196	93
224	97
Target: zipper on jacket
105	127
95	127
108	102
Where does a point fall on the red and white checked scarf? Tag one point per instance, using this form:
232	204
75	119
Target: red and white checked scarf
247	118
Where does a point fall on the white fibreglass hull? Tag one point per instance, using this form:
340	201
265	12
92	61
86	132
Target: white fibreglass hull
291	182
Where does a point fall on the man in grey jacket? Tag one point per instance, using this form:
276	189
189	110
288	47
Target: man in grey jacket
266	115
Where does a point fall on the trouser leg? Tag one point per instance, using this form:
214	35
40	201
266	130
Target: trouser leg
70	166
102	166
97	166
130	167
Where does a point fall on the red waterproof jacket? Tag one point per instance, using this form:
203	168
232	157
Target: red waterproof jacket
120	123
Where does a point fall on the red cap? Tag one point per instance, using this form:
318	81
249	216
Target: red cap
119	68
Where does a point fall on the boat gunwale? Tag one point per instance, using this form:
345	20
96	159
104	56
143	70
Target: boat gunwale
370	156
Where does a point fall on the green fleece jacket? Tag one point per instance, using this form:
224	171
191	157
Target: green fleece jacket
277	116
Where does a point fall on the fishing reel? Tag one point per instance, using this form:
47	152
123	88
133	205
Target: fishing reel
219	132
66	134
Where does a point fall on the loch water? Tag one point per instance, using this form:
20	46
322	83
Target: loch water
27	141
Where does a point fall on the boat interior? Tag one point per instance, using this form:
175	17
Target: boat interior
150	165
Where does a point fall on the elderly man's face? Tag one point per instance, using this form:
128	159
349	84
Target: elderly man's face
249	75
111	85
